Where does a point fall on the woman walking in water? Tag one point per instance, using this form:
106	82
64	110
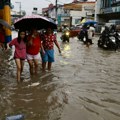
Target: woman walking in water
33	50
20	52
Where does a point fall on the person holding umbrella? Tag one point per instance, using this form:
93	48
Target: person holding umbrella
48	45
33	50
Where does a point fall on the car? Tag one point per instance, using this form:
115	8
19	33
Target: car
74	31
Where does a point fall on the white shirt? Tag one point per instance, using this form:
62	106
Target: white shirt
91	31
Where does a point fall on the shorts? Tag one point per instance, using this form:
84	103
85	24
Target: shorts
19	58
48	56
33	57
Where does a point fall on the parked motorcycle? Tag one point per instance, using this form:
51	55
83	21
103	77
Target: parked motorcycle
65	36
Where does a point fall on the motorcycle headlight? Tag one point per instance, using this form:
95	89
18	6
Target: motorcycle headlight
67	33
113	39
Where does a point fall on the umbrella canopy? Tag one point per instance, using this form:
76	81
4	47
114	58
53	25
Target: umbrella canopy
83	21
4	23
90	22
34	21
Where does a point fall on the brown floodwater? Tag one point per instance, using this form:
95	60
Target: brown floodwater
84	84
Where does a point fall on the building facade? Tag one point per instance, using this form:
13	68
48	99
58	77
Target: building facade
107	10
71	13
79	10
62	16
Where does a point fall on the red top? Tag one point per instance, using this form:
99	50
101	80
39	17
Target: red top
34	47
20	48
2	37
48	42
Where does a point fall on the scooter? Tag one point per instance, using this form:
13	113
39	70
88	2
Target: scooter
81	35
65	36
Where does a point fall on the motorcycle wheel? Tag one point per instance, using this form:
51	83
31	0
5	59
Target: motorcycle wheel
68	40
112	46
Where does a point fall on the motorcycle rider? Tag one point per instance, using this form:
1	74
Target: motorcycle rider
64	30
114	31
104	33
112	28
83	33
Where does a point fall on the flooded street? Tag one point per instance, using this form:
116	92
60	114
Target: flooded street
84	84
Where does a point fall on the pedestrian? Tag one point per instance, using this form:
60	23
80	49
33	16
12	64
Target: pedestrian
2	37
90	33
48	45
83	33
20	52
33	50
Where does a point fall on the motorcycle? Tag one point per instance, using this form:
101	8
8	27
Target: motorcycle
65	36
108	42
82	36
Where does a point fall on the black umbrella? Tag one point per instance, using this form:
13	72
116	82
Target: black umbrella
4	23
34	21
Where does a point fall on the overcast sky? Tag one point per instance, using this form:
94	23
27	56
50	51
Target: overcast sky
28	5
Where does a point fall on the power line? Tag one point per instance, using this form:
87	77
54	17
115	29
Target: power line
52	2
48	1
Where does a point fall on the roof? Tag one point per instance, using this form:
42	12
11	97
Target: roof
50	7
76	5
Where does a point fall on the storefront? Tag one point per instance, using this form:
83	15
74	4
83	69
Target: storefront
109	10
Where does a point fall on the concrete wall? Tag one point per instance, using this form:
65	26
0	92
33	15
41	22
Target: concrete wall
76	15
87	11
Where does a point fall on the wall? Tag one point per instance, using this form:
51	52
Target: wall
76	15
87	11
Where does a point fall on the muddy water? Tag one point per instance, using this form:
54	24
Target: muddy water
83	85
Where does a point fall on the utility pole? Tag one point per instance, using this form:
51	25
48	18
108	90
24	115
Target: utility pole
7	17
56	10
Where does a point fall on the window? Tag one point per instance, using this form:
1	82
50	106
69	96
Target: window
115	2
105	3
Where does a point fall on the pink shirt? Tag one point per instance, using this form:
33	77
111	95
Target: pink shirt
20	49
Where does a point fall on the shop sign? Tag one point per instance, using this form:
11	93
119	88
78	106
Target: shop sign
89	8
110	10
